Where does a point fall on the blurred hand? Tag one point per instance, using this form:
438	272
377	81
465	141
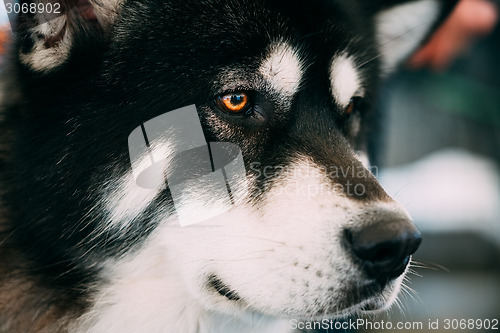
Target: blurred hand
469	20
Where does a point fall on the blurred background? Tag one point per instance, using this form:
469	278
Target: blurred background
441	161
4	32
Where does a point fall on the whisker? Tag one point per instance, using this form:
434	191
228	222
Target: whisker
413	272
429	265
400	305
412	293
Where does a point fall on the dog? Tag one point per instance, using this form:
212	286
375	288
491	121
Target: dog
309	234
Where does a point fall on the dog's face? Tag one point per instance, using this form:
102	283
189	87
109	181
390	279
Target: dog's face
292	84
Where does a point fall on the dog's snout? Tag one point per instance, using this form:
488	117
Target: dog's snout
384	248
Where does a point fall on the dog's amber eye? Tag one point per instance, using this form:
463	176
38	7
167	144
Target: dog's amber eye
237	102
353	105
350	107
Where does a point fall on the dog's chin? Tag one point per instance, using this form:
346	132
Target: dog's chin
377	303
370	306
382	301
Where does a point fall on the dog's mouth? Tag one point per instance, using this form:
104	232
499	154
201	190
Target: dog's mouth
368	299
222	289
371	307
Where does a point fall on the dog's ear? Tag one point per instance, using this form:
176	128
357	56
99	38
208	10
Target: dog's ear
49	31
403	25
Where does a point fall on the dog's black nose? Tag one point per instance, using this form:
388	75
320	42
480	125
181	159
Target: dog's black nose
384	248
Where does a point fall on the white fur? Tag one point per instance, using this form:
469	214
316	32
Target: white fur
124	199
401	29
127	201
282	69
146	295
345	79
283	258
44	59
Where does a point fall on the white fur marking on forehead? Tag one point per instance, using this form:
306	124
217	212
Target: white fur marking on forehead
344	78
282	68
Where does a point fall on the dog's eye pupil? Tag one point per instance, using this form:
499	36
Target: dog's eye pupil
237	99
234	102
